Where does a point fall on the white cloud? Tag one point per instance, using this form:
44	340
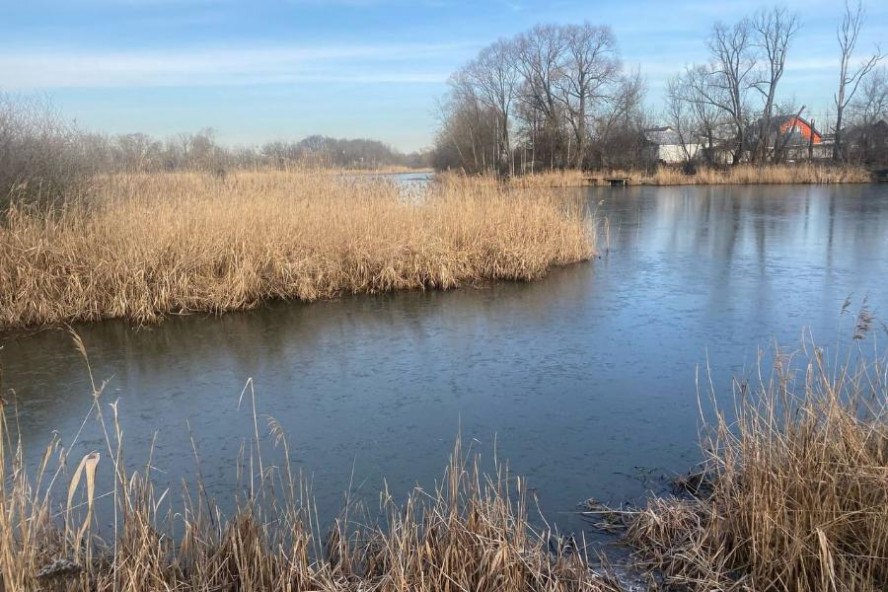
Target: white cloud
230	66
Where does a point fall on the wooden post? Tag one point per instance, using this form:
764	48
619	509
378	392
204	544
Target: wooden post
811	143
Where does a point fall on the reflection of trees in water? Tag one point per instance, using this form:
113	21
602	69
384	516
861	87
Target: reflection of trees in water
744	239
714	222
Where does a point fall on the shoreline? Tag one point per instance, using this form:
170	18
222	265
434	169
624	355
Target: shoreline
814	470
804	174
209	314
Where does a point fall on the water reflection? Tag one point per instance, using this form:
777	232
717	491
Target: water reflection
584	381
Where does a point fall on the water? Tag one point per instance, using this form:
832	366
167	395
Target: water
584	381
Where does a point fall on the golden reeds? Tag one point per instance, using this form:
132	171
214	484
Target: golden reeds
799	489
797	174
155	244
803	174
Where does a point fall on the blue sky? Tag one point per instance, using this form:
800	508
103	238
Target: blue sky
282	69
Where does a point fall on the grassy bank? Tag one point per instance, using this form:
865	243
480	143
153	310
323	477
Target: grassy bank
795	494
803	174
148	245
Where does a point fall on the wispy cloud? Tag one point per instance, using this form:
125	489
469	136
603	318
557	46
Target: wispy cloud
145	3
371	3
513	5
200	67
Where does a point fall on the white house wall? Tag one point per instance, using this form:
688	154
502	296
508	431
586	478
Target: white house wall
673	153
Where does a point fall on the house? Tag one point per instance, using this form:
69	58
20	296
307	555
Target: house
664	144
795	131
791	137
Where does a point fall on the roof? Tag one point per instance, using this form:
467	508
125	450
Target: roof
662	136
779	120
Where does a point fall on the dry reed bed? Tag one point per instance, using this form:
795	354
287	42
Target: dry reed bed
803	174
471	533
799	497
149	245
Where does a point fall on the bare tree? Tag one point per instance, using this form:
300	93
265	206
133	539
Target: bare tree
41	159
680	114
849	81
709	120
868	115
726	81
497	81
467	136
539	53
589	69
773	30
872	104
549	87
619	126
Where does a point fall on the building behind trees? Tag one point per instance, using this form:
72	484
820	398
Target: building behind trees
558	97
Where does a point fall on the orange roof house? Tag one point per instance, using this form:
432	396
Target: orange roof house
796	126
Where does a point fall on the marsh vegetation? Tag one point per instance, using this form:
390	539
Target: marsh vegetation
794	494
801	174
141	246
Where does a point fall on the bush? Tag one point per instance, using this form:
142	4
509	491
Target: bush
799	495
40	156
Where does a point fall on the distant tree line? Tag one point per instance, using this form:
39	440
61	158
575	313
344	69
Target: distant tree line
200	151
325	151
44	156
552	97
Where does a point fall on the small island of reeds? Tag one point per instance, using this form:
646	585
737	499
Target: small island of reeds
140	246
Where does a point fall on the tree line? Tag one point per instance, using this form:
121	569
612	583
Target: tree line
201	151
731	105
557	96
44	155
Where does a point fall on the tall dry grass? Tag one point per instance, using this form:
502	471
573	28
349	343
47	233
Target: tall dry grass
801	174
470	533
799	489
155	244
798	174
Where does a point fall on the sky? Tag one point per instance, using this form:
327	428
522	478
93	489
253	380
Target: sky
264	70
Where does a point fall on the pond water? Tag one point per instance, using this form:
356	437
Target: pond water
584	381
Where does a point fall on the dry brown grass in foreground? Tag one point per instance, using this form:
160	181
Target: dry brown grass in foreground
800	491
802	174
470	534
149	245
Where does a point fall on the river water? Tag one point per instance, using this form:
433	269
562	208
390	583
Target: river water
584	381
